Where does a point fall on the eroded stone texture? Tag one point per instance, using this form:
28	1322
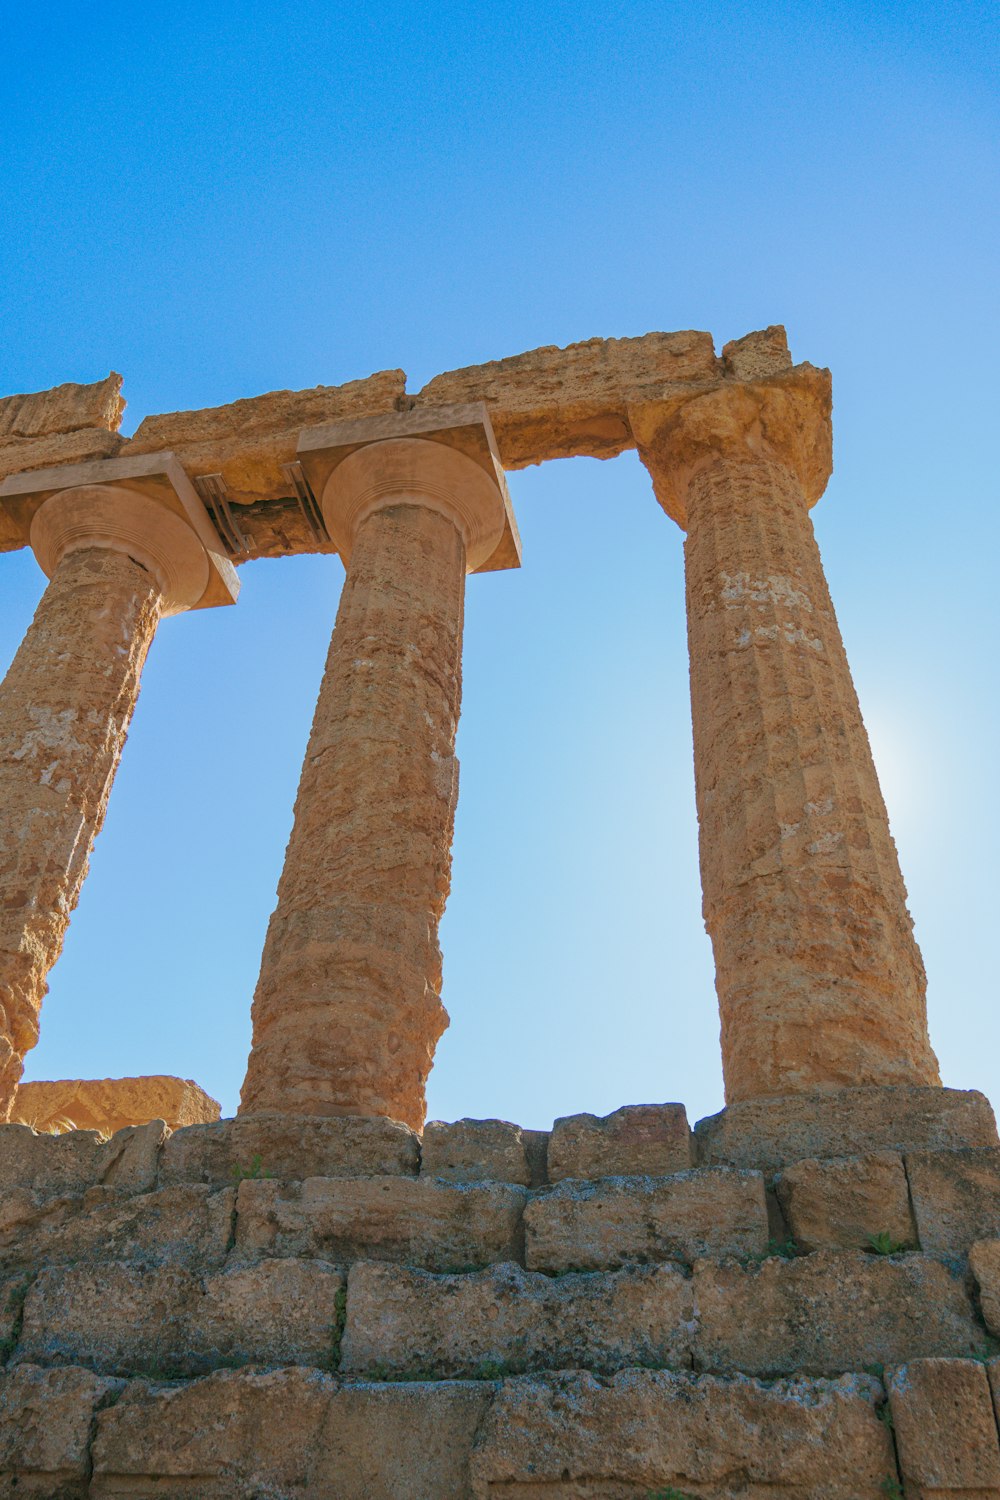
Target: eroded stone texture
291	1147
434	1225
595	1226
946	1435
984	1262
768	1133
840	1204
110	1104
294	1434
956	1198
185	1226
123	1319
643	1432
65	706
504	1320
64	408
46	1419
829	1312
79	1159
475	1151
637	1140
347	1010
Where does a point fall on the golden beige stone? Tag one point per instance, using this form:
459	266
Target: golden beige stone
596	1226
74	1160
638	1139
946	1436
842	1203
47	1418
956	1198
646	1433
829	1312
819	979
110	1104
292	1147
64	408
403	1323
435	1226
476	1151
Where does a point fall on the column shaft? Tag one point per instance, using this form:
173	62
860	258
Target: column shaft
65	706
819	978
347	1008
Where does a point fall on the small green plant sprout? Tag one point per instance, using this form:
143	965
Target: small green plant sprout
253	1173
885	1415
884	1244
877	1372
489	1369
987	1350
787	1249
669	1494
890	1488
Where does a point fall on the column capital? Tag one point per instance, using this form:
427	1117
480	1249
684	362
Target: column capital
444	458
145	507
782	419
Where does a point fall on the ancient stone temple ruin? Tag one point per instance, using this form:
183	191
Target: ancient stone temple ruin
326	1296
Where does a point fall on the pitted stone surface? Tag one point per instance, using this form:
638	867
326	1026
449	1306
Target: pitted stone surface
637	1140
644	1433
46	1420
829	1312
78	1159
123	1318
432	1225
405	1323
65	706
112	1104
945	1431
596	1226
475	1151
289	1147
843	1202
984	1263
769	1133
293	1433
956	1198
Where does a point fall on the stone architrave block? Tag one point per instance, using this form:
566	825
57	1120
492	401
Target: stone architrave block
638	1140
596	1226
645	1432
127	1319
64	408
829	1312
290	1433
112	1104
291	1147
840	1203
475	1151
405	1323
956	1198
770	1133
185	1226
46	1420
432	1225
984	1262
946	1434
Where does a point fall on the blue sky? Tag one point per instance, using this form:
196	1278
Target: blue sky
223	199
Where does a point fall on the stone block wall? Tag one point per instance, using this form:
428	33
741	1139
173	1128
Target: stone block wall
281	1307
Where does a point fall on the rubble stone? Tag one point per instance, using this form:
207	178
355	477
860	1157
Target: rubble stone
475	1151
505	1320
946	1435
842	1202
956	1198
288	1146
432	1225
596	1226
638	1140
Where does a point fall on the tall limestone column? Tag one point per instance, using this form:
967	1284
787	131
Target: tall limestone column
123	543
347	1010
819	979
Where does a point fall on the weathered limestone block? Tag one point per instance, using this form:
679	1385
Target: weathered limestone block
247	441
124	1319
946	1435
295	1433
433	1225
642	1432
64	408
829	1312
505	1320
757	355
637	1140
110	1104
475	1151
596	1226
956	1198
185	1226
292	1147
79	1159
984	1263
25	455
840	1203
769	1133
554	403
46	1419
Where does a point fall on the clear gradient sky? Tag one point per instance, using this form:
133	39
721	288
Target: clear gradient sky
223	199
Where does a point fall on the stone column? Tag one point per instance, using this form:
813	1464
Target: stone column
819	979
117	560
347	1010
